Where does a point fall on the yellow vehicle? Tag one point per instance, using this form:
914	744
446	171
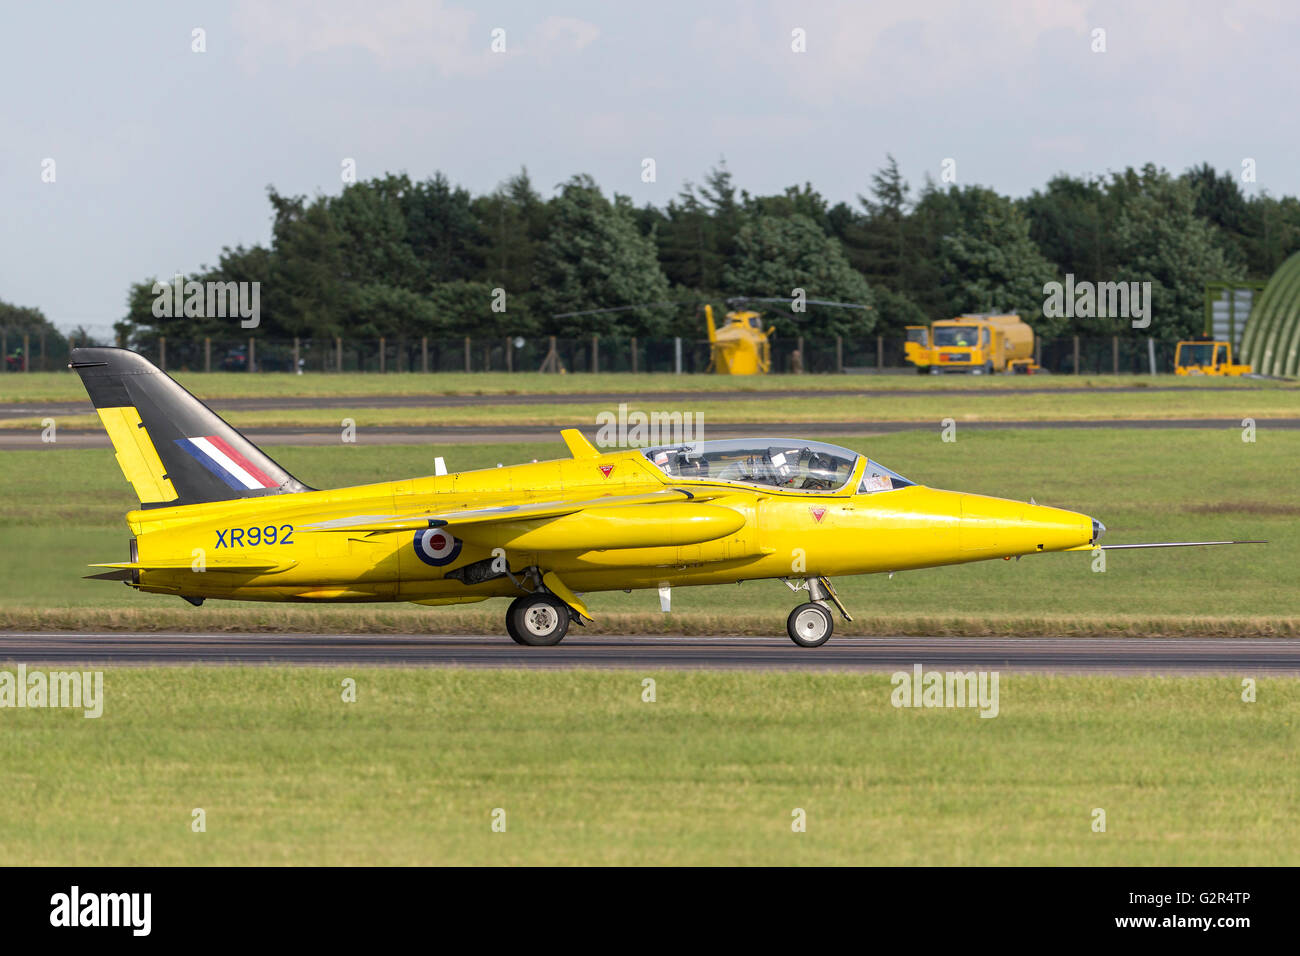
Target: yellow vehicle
1207	357
219	519
741	346
976	344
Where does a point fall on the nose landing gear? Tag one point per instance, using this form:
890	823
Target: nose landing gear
811	624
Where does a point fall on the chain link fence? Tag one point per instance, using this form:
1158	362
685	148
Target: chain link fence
43	350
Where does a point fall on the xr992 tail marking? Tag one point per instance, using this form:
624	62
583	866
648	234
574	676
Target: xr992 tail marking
254	537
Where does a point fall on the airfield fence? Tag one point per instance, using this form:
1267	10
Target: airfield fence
43	350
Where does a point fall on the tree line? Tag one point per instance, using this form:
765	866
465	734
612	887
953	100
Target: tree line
405	259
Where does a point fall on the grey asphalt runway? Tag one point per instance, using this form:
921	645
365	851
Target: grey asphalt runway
1237	657
15	439
42	409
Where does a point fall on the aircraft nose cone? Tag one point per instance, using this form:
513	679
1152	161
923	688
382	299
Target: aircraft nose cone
1098	529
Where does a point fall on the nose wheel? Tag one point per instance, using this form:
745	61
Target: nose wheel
537	620
810	625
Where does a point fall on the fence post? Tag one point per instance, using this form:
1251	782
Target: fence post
803	360
383	355
207	354
162	351
424	353
252	353
634	355
677	355
43	366
880	352
1076	355
1114	352
595	353
839	353
296	366
510	355
1038	350
27	350
1151	353
468	362
338	353
487	356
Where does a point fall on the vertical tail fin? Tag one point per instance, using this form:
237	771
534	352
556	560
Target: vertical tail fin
172	448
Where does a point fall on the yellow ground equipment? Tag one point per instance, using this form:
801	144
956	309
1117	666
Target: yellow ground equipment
977	344
1207	357
741	346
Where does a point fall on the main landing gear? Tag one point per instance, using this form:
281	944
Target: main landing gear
811	624
538	619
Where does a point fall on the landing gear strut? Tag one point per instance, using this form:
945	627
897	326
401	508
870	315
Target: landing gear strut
538	619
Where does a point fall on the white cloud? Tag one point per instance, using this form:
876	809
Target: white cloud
564	35
399	34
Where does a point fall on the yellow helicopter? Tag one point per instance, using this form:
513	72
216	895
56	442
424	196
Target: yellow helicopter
742	346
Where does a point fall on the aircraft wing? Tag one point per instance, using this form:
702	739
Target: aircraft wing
496	513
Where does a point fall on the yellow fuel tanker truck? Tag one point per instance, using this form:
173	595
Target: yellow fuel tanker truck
975	344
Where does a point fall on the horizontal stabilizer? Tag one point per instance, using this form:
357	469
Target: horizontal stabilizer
266	567
122	574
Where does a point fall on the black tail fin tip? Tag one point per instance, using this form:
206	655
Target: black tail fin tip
172	448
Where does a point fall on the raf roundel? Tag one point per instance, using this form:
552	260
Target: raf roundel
436	547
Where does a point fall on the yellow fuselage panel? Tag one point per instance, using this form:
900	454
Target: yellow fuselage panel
739	533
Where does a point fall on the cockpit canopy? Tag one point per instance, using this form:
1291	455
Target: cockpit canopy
790	463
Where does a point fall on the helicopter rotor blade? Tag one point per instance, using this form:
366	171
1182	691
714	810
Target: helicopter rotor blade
617	308
790	299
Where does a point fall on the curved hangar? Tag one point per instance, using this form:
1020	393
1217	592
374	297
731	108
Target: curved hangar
1271	341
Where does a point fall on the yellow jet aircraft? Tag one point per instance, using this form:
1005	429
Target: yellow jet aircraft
220	519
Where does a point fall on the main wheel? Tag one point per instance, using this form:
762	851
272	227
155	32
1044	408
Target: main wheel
538	620
810	625
510	621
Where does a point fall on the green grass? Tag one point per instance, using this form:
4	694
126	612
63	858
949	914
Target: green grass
63	386
959	405
61	509
587	773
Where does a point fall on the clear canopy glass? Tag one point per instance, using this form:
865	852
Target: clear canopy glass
791	463
876	477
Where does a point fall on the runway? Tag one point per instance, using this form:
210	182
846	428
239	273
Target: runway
1243	657
15	439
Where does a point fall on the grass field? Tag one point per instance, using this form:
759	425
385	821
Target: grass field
710	773
961	405
64	386
61	509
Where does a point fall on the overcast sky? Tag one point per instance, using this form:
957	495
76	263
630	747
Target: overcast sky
162	155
